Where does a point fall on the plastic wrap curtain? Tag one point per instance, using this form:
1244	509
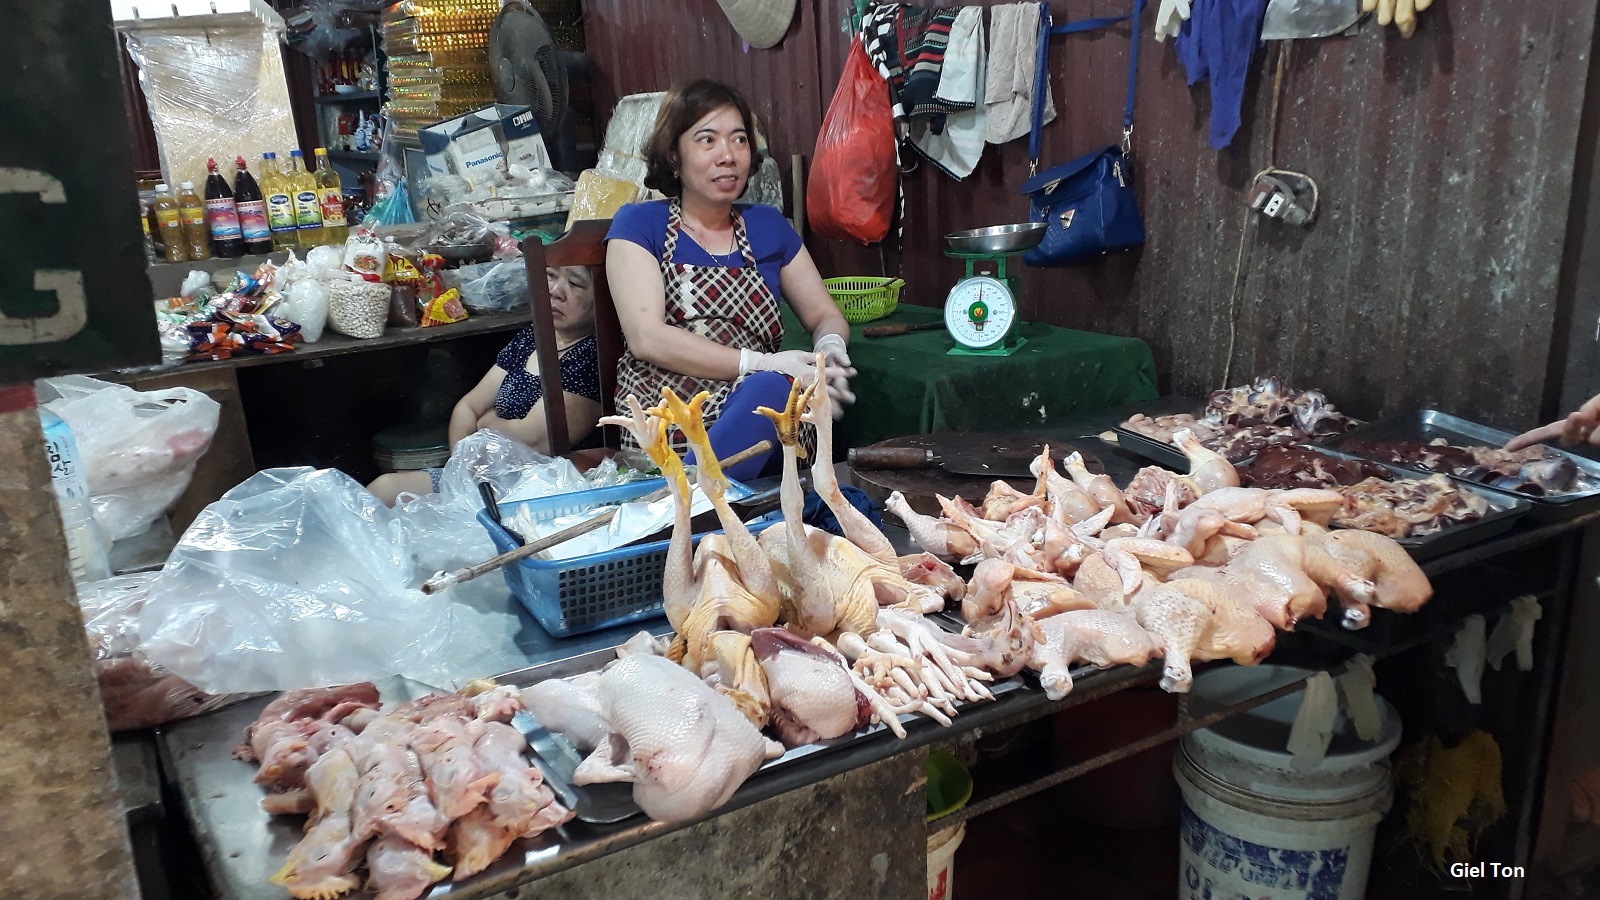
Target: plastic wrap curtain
213	91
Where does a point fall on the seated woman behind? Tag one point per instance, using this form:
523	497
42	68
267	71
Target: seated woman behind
510	398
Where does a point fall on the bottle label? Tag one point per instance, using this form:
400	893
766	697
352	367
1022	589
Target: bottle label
168	218
223	218
193	216
280	212
332	208
253	220
307	210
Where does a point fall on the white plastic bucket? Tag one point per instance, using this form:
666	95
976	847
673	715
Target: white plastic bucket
942	860
1253	826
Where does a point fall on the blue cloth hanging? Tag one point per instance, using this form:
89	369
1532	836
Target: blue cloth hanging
1217	43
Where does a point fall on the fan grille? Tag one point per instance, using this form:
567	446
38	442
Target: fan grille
527	67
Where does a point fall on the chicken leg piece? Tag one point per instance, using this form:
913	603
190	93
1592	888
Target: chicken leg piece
1093	636
1233	629
1069	505
1177	620
1208	469
1100	488
941	538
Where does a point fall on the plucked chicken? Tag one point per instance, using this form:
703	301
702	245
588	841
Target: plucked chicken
684	747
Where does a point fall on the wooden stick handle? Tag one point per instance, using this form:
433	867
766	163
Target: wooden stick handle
445	580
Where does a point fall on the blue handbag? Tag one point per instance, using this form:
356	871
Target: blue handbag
1087	205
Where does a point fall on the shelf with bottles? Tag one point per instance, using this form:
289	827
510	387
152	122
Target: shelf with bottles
292	206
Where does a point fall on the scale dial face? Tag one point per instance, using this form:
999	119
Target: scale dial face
979	312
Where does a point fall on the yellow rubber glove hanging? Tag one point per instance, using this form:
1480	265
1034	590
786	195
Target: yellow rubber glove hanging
1401	13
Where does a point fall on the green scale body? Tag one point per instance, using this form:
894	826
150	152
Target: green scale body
980	311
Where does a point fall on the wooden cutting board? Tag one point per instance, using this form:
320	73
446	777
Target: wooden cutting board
920	485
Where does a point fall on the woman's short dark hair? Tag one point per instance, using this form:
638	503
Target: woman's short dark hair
684	105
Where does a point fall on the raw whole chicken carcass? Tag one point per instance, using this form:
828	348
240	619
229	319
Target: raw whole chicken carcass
400	870
813	696
685	747
1094	636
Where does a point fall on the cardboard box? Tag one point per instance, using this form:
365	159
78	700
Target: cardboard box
484	141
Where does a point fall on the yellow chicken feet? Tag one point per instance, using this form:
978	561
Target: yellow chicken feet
788	421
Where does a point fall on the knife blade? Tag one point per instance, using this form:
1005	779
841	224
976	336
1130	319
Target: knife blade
992	465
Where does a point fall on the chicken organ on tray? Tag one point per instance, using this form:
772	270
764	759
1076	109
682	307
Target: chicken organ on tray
441	773
1375	500
1536	471
1241	421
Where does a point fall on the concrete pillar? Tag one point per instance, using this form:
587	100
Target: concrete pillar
62	835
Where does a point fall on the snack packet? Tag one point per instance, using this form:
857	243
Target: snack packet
445	309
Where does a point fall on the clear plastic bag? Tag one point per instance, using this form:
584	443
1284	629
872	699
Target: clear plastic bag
296	578
136	693
138	448
493	287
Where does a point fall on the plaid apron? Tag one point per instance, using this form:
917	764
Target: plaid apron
733	307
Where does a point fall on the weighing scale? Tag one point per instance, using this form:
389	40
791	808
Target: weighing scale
980	312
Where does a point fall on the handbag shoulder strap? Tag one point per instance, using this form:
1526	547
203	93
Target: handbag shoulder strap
1041	72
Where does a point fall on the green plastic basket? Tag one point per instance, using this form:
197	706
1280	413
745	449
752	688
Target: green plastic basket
863	299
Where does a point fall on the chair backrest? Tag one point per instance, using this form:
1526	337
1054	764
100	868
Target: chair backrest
583	245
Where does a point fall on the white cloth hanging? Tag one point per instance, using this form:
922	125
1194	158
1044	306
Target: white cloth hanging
1009	72
958	147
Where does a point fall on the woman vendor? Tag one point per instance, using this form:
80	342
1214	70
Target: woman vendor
697	280
510	398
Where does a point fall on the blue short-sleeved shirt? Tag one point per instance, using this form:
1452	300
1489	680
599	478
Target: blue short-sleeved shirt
772	239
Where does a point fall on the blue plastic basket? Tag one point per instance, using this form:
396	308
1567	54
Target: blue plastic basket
587	593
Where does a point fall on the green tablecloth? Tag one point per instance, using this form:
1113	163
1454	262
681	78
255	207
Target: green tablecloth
910	385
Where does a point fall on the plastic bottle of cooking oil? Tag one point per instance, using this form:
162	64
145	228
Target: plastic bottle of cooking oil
280	203
192	212
169	220
307	205
331	194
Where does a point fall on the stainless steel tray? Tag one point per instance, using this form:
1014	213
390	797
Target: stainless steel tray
1428	424
1170	456
1148	447
608	803
1507	509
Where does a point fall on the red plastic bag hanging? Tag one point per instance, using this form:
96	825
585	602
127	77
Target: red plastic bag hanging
853	170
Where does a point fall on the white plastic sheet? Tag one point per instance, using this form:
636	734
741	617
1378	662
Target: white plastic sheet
203	82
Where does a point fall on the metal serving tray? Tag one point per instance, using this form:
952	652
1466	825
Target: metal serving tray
1170	456
1148	447
609	803
1497	521
1428	424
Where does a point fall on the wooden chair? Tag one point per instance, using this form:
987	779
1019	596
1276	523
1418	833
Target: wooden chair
583	245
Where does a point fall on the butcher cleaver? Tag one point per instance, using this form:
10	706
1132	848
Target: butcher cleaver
865	458
1295	19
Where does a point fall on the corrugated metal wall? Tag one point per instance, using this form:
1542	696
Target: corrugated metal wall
1445	166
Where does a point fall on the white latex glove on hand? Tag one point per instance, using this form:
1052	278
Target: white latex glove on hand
1170	18
832	347
797	364
1401	13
